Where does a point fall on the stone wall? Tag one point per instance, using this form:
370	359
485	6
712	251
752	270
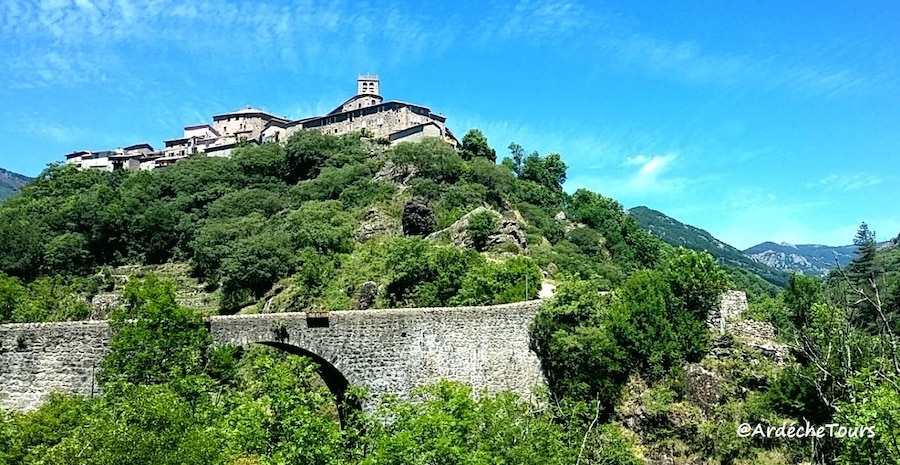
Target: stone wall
395	350
385	351
381	121
732	305
39	358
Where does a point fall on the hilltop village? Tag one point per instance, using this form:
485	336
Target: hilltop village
392	120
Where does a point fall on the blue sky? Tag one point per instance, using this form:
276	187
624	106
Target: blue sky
754	120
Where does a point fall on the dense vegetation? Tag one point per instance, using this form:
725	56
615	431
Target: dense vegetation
333	223
739	266
294	218
168	398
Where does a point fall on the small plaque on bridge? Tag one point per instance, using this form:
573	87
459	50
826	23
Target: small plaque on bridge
317	320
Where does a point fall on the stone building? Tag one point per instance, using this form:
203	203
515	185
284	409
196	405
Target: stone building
367	111
393	120
130	158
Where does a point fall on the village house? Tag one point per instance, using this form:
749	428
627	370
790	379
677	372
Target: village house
130	158
366	112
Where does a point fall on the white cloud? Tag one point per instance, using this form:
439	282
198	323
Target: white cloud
847	182
616	40
65	43
646	178
654	166
639	159
52	131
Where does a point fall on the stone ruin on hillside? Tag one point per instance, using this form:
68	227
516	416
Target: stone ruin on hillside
731	307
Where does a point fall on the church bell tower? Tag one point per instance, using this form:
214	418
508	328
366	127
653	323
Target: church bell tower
367	84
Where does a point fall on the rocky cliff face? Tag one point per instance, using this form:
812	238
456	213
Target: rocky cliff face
813	260
510	234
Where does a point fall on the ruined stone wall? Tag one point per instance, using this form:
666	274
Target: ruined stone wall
385	351
39	358
732	305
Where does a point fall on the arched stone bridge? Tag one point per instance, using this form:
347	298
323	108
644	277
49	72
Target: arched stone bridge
384	351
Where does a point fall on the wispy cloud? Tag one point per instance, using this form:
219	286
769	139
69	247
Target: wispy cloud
71	42
614	40
536	21
847	182
636	178
649	171
53	132
63	42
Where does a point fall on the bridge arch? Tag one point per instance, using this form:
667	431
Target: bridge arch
334	380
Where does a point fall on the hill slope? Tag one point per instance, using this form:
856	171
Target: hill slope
10	183
809	259
677	233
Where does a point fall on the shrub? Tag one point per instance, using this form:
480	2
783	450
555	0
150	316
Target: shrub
481	226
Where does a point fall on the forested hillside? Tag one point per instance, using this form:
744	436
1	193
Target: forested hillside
742	268
346	223
10	183
310	223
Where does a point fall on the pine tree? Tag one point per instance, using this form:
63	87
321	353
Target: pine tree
863	269
863	273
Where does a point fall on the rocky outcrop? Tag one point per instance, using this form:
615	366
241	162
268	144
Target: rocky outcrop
103	304
702	387
375	224
366	297
396	174
510	233
760	336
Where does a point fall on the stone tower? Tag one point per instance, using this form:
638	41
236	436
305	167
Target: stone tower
367	84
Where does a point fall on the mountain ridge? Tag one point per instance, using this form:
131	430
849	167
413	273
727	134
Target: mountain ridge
809	259
11	182
676	233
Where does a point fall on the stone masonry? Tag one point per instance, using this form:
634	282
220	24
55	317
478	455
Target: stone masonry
38	358
732	305
384	351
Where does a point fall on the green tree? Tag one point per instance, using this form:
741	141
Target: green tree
518	156
284	416
864	276
243	202
475	145
67	254
863	269
307	152
696	280
580	358
21	250
140	424
324	226
481	226
12	295
446	425
802	293
499	283
432	157
549	171
154	339
642	322
253	265
875	406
